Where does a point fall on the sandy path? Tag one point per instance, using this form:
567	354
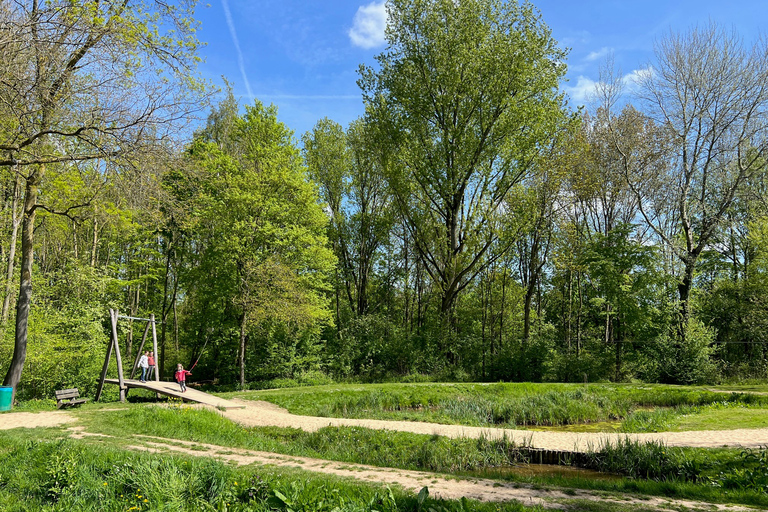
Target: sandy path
267	414
34	419
440	486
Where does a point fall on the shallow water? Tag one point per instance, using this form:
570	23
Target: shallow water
597	426
536	470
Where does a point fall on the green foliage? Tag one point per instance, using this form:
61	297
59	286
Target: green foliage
592	363
689	361
373	347
261	260
650	461
548	408
474	82
752	475
67	339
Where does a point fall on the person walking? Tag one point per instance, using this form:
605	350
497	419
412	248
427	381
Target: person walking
144	365
181	377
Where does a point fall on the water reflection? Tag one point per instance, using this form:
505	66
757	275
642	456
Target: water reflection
542	470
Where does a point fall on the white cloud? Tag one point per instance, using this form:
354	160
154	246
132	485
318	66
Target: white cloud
599	54
631	80
369	25
236	42
584	87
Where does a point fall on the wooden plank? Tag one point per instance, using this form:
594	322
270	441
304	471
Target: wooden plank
67	393
118	359
172	389
106	362
154	347
69	403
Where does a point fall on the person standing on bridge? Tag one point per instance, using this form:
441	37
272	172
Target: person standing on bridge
151	363
181	377
144	365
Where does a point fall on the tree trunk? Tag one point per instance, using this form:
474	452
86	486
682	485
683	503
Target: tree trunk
241	355
527	311
13	376
165	308
95	243
15	220
684	292
578	316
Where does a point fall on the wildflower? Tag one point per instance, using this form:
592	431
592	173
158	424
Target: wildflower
146	500
105	483
235	483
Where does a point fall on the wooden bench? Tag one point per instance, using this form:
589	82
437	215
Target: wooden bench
68	397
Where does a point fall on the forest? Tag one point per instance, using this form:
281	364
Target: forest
473	225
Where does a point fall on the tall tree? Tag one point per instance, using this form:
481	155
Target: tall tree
261	231
464	96
711	93
85	80
352	184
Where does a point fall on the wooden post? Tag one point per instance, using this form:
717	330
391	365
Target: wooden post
141	348
154	346
112	341
118	359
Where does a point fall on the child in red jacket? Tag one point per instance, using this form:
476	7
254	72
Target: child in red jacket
181	377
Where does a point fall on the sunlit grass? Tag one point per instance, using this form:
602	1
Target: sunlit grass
75	476
518	405
389	449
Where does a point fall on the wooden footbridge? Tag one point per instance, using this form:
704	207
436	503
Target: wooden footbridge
155	384
172	389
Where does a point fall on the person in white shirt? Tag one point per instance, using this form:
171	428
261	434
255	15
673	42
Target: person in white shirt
144	365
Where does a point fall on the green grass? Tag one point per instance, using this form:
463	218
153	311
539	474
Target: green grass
349	444
716	416
716	476
518	405
694	474
68	475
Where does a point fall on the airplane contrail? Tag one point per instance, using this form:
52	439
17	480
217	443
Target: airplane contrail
233	33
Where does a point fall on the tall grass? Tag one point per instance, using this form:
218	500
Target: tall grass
648	461
347	444
520	404
662	419
73	476
550	408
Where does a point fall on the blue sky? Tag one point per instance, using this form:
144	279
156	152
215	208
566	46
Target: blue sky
303	56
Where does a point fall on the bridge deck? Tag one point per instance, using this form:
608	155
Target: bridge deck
172	389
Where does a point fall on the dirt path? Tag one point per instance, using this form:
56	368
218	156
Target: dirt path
440	486
267	414
34	419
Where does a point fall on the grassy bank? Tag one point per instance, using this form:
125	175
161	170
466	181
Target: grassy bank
723	475
67	475
628	408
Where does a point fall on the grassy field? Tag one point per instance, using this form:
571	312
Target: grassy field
43	469
576	407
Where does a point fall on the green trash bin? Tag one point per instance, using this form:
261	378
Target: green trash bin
6	398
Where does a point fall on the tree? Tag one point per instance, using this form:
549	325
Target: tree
352	184
86	80
710	94
260	230
462	100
